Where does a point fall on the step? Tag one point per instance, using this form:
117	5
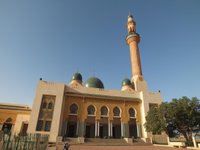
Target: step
98	141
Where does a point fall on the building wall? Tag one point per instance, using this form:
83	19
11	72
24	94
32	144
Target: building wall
5	114
84	102
83	97
147	99
21	118
14	112
47	88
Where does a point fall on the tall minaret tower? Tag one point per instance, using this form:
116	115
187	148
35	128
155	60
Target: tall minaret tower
132	40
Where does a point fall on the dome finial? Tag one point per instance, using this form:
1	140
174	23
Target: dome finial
131	25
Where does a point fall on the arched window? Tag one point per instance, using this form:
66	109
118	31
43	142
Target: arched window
104	111
91	110
73	109
116	112
131	113
50	105
9	120
44	105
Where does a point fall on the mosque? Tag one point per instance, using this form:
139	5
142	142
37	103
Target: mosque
80	111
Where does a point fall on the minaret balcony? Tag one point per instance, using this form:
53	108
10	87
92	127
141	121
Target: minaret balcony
132	36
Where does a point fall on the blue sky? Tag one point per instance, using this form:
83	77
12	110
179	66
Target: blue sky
54	39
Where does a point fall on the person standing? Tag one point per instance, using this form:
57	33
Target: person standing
66	146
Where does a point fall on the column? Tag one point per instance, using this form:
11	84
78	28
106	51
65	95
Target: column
111	129
96	124
108	128
126	130
77	124
138	130
65	128
98	128
81	129
122	129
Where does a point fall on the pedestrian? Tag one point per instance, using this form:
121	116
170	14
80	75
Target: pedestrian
66	146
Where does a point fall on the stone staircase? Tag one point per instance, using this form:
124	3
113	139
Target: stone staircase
115	142
98	141
108	142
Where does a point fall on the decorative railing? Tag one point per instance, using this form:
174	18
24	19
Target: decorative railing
23	142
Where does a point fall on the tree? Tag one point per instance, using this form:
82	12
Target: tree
181	115
155	121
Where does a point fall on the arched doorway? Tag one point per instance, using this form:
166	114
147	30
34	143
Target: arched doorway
132	123
72	121
116	124
90	122
103	127
7	126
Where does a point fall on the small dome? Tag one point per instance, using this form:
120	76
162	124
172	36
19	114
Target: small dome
126	82
77	76
94	83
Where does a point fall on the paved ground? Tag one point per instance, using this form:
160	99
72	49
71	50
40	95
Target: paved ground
86	147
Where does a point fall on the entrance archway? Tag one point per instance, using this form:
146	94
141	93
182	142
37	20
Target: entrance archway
103	126
90	127
116	124
90	122
72	129
72	126
132	128
132	123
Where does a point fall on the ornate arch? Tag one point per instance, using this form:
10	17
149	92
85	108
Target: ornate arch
73	109
9	120
132	112
91	110
117	111
104	111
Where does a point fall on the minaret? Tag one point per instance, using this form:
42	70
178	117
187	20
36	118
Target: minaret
132	40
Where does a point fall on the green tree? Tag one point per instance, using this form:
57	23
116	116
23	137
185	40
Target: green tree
181	115
155	120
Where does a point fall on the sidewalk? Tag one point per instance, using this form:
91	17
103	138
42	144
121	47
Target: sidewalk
86	147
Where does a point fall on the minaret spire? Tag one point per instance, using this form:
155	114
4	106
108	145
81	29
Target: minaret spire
131	25
132	40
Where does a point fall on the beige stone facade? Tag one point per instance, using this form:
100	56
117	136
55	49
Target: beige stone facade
14	117
77	110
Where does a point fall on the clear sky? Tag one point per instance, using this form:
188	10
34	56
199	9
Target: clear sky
55	39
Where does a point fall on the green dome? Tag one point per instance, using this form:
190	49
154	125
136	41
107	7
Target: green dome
94	83
126	82
77	76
